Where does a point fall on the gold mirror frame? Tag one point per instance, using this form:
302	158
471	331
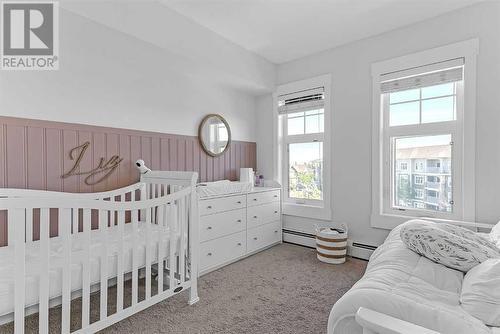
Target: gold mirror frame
200	138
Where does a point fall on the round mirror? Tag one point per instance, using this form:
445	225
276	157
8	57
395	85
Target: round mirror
214	134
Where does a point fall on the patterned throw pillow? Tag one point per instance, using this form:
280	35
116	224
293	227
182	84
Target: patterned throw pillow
449	245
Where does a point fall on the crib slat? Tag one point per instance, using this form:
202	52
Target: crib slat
43	306
16	221
86	269
119	262
65	234
103	231
148	253
161	248
75	221
182	223
29	225
152	209
134	258
112	215
173	230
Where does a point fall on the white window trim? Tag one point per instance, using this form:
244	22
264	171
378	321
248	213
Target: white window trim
468	50
324	211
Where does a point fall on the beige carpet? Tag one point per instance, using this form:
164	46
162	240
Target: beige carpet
284	289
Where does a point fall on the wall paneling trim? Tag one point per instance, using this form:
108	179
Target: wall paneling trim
34	154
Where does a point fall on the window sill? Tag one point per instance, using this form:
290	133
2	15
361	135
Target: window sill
388	221
307	211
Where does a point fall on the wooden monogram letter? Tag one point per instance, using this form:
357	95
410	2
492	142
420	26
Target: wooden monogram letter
104	168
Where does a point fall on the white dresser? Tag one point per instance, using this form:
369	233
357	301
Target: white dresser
238	225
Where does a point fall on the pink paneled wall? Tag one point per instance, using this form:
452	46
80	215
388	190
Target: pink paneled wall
34	154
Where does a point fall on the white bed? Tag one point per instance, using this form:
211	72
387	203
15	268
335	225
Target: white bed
7	263
406	286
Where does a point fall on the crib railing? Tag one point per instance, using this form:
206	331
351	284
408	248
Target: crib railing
170	209
131	193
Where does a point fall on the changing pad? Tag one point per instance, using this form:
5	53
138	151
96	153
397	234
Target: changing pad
223	187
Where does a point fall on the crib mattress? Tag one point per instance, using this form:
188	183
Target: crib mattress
7	264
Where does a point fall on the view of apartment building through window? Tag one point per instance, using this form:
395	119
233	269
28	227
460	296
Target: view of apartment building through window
423	173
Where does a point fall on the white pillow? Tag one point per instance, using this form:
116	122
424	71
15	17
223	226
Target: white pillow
495	234
449	245
480	295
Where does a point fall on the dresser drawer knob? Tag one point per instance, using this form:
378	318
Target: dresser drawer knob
275	211
209	207
209	228
275	196
254	238
209	254
238	221
239	202
255	216
255	199
239	243
276	231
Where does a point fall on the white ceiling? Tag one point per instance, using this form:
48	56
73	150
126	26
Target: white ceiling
284	30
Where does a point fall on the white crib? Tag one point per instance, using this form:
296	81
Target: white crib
144	232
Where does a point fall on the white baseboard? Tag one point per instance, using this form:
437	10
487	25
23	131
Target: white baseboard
358	251
308	240
299	240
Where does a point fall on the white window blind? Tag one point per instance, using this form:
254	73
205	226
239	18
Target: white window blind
424	76
301	101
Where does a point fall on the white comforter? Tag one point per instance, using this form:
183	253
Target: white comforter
405	285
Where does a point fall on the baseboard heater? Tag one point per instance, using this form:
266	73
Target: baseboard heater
354	249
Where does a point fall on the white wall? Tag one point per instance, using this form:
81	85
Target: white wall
110	78
351	101
264	136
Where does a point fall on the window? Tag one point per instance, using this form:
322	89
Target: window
413	106
434	179
403	166
306	122
303	115
424	115
406	143
305	170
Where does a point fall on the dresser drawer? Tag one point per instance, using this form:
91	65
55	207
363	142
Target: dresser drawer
263	197
263	214
210	206
263	236
218	251
221	224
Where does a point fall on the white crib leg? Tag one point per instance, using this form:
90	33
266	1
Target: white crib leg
193	292
194	251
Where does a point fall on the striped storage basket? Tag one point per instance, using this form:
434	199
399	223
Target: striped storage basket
331	243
